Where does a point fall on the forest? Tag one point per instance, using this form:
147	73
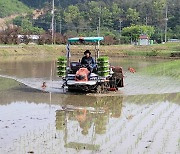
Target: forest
118	19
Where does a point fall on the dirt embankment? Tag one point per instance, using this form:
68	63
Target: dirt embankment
18	50
169	50
5	22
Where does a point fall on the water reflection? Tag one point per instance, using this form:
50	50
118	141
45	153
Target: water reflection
57	123
91	119
96	114
29	67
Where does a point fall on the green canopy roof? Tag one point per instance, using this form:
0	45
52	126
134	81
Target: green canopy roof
86	39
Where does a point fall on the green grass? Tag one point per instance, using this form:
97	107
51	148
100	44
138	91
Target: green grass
11	7
158	50
7	84
152	98
170	68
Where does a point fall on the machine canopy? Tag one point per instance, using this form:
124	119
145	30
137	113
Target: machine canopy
85	39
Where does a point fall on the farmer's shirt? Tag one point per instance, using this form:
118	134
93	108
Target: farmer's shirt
88	61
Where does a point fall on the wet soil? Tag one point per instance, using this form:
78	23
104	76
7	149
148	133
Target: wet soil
142	117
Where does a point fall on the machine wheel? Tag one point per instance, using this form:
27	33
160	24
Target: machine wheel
100	88
71	90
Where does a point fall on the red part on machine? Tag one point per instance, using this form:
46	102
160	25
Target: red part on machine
82	74
112	89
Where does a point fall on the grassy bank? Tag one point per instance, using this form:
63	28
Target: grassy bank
161	50
7	84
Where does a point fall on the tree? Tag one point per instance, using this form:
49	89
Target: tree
106	18
132	16
133	32
27	26
72	16
94	13
177	32
10	35
81	17
117	13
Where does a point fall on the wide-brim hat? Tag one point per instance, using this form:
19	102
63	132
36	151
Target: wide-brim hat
87	51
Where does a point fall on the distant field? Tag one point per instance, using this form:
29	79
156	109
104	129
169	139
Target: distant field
159	50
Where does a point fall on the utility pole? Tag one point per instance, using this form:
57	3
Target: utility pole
162	36
99	26
60	27
120	25
146	20
166	23
55	24
99	23
52	23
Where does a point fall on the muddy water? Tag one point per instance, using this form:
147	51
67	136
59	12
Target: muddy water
143	117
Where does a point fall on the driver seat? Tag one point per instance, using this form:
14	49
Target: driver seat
75	66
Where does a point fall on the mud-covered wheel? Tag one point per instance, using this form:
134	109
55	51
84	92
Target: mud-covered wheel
71	89
100	89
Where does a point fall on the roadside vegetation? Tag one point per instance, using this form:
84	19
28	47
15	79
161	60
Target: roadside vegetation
168	50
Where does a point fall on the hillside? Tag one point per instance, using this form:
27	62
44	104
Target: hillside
11	7
4	21
85	17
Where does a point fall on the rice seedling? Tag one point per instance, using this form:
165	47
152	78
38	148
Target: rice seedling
169	68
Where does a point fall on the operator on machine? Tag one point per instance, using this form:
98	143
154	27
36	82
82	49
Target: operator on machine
88	61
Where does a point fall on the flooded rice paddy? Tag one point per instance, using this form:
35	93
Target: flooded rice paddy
142	117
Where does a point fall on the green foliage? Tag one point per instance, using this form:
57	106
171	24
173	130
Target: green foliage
72	15
176	32
34	3
10	7
132	16
26	25
152	53
81	17
135	31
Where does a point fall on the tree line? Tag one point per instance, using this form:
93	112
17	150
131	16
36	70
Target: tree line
115	19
